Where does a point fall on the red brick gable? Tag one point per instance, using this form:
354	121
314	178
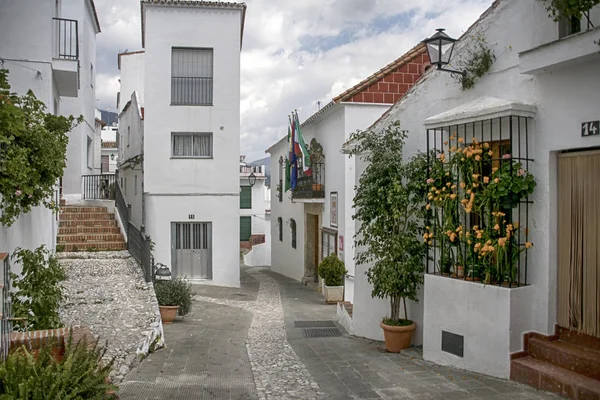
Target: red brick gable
390	83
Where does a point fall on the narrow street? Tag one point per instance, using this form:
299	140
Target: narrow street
243	344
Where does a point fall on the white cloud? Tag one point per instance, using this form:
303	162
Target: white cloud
297	52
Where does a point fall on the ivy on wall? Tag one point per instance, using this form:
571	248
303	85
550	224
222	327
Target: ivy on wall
33	146
476	62
559	9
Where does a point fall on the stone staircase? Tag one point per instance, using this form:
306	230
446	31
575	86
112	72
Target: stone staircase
567	363
85	228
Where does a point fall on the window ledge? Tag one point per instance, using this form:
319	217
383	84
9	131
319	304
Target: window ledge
192	105
190	158
567	51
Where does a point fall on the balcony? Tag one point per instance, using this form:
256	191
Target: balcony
577	44
311	188
65	56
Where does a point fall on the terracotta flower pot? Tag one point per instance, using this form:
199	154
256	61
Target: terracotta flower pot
397	337
317	187
168	313
461	271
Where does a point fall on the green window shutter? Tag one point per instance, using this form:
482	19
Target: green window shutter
245	228
246	197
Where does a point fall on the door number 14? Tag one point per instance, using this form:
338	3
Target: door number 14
590	128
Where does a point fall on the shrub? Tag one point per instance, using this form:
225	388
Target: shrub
332	270
175	292
79	375
40	291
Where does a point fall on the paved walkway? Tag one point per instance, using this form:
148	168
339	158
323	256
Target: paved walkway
243	344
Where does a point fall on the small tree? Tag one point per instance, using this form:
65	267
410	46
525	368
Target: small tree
558	9
332	270
389	205
33	147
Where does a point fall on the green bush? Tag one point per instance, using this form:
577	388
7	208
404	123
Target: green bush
332	270
39	289
79	375
175	292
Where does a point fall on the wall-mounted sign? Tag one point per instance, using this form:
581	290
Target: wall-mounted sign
333	210
591	128
191	216
341	243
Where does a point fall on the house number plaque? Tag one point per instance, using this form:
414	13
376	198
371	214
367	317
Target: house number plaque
591	128
191	216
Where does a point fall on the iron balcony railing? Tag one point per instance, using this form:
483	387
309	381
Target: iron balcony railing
311	186
249	169
99	187
66	39
191	91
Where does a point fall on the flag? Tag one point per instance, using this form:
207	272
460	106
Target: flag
287	163
306	166
293	158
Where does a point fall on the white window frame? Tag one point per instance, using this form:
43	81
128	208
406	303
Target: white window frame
205	134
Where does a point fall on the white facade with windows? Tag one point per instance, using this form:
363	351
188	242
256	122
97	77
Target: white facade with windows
82	155
551	78
36	61
188	192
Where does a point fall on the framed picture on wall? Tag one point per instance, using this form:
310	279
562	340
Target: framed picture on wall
334	210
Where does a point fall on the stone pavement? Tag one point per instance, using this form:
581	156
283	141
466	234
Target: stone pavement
243	344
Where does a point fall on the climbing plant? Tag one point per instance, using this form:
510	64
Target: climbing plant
33	146
559	9
476	62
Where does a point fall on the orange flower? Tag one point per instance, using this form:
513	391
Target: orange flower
453	196
479	235
452	237
428	207
486	145
497	227
502	242
486	179
462	185
491	153
477	158
496	180
528	245
461	140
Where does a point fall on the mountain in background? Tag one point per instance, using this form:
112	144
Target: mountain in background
109	117
267	163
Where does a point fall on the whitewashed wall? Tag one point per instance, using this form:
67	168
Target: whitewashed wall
260	255
132	77
79	162
208	188
285	259
259	206
130	120
564	98
34	52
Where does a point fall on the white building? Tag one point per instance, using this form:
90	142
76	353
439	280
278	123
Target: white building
109	154
255	225
45	59
541	97
83	140
188	179
315	220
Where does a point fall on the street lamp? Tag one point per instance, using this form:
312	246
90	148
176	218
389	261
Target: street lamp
252	179
112	156
439	48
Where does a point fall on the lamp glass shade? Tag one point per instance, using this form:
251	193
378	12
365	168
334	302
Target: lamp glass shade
112	156
252	179
439	48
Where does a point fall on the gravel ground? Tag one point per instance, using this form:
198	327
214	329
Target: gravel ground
106	292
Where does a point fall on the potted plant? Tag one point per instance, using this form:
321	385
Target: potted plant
174	298
388	204
332	271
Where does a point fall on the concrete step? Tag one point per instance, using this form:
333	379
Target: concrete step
87	222
349	307
82	209
90	237
87	246
64	230
547	376
569	356
86	216
579	339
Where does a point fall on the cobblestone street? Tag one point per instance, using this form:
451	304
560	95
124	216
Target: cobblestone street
245	344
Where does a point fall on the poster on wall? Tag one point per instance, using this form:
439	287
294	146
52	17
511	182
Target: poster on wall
334	210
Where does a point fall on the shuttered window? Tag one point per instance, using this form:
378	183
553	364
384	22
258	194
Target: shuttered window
246	197
191	76
193	145
245	228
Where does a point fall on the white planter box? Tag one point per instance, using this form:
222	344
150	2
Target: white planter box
333	294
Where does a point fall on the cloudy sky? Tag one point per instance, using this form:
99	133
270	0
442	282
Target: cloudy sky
296	52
